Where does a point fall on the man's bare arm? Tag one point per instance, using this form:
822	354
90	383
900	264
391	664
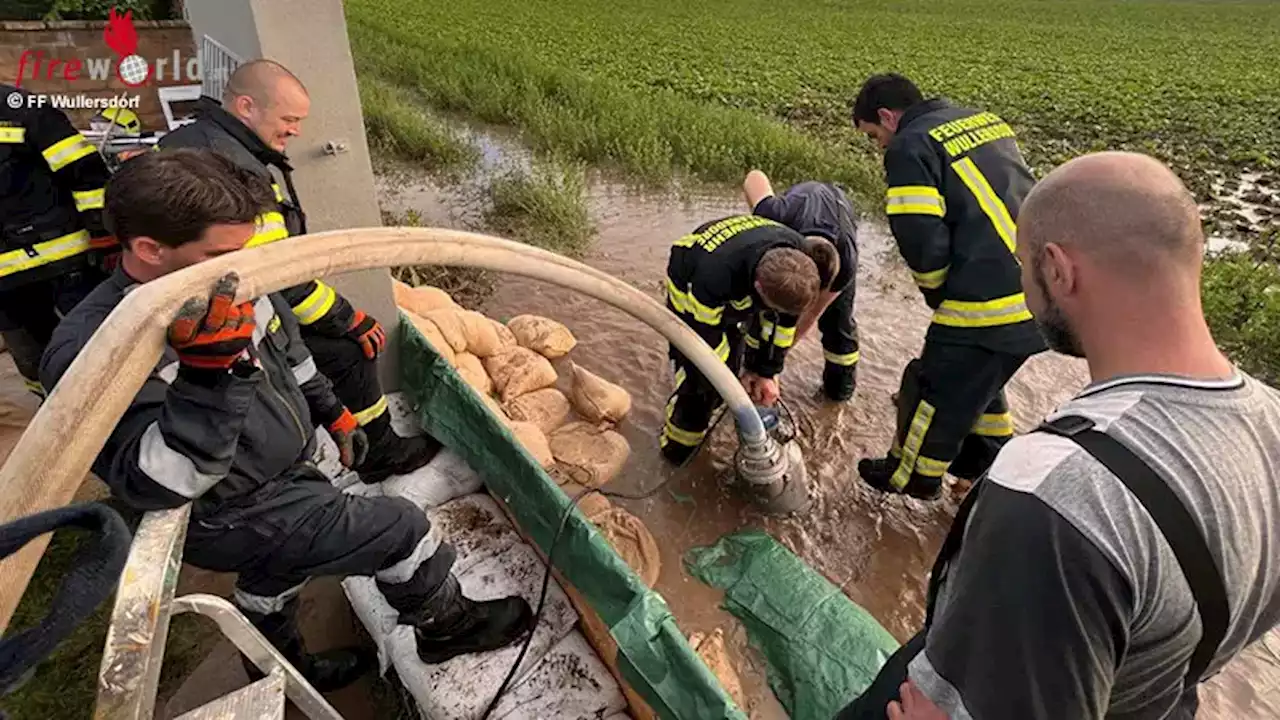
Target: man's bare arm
756	188
810	316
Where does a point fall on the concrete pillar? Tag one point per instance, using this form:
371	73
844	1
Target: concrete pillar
310	38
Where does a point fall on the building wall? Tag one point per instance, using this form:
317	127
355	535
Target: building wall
80	40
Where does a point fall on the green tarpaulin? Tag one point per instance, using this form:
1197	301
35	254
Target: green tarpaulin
821	649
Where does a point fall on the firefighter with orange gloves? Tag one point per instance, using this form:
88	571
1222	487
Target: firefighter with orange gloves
55	250
741	283
956	182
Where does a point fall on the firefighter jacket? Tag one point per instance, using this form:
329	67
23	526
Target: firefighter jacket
188	437
956	182
316	305
711	285
52	182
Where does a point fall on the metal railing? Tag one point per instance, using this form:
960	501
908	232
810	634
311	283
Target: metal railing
216	65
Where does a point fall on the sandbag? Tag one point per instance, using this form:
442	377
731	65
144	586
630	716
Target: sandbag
547	408
480	333
496	409
422	299
506	338
542	335
533	440
590	505
433	335
712	650
597	399
632	541
472	371
450	323
587	454
517	371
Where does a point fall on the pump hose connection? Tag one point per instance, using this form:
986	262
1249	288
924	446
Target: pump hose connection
772	469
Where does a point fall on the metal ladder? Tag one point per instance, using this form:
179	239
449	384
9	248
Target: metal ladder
134	652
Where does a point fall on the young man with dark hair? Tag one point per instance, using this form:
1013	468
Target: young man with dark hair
226	423
956	182
716	277
821	210
262	110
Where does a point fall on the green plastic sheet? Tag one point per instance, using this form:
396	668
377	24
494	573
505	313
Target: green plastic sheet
821	650
653	655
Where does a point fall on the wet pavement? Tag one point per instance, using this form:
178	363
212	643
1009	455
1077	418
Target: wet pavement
878	549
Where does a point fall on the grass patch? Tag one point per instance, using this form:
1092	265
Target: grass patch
397	127
545	208
469	287
1241	296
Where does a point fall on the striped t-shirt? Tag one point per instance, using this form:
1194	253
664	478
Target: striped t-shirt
1065	601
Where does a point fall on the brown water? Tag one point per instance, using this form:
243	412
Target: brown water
877	548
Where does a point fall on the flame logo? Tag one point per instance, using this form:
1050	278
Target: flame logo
120	34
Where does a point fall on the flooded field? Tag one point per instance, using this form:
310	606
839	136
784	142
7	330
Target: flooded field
878	549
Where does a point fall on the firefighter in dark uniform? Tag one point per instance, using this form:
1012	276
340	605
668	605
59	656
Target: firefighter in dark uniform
54	246
261	110
741	283
956	181
823	210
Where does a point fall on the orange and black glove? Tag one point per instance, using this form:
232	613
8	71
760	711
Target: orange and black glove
353	444
368	333
210	335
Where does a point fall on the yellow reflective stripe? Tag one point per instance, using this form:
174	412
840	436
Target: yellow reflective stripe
373	412
316	305
279	194
66	151
688	438
986	313
911	447
915	200
680	377
991	203
13	135
269	227
783	337
34	386
89	199
685	302
16	261
929	467
722	350
994	425
743	304
846	359
753	343
931	280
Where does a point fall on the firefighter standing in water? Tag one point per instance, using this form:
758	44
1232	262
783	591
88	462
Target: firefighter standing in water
54	246
821	210
716	277
262	109
956	182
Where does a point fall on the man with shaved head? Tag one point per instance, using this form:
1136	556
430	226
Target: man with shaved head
1112	560
262	109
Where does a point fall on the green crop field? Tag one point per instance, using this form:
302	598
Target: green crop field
1193	82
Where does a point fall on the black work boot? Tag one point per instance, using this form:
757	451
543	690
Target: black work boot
839	381
878	473
677	454
449	624
389	454
326	671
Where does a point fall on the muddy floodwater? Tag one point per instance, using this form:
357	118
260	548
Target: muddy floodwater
877	548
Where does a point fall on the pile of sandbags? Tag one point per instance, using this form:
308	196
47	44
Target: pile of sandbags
625	532
509	367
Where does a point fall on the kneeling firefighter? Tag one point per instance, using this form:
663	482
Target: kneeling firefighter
738	281
262	110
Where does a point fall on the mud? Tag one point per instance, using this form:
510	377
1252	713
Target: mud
878	549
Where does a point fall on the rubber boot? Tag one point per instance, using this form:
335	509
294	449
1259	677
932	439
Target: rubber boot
326	671
677	454
448	624
839	381
390	454
878	473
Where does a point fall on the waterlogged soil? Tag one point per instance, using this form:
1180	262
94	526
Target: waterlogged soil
877	549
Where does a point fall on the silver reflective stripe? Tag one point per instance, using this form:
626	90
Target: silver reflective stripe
171	469
263	604
169	373
263	313
402	571
304	372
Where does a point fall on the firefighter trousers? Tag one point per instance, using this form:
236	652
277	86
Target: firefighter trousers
30	313
300	526
354	377
839	332
694	401
952	412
